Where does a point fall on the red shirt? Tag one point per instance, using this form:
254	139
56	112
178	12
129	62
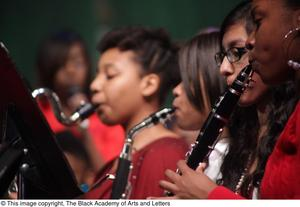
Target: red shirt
149	165
108	140
282	175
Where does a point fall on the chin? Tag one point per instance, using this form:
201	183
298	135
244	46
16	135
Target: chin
275	76
245	103
273	81
106	120
189	127
183	126
109	122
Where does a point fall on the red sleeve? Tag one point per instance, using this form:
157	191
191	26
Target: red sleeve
221	192
152	166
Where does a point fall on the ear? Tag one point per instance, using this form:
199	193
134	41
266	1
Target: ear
149	84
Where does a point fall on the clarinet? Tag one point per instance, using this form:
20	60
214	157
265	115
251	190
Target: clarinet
217	119
120	188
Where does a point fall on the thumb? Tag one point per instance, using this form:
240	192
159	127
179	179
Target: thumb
201	167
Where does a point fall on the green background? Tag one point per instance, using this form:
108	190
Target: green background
24	23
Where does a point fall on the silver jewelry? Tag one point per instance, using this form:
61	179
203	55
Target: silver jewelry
291	31
243	176
289	38
294	64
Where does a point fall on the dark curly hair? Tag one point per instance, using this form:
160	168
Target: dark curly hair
153	49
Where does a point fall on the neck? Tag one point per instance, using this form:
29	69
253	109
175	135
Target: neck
262	113
148	134
262	116
138	117
225	133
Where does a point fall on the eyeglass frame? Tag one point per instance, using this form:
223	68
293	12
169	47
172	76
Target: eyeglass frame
241	51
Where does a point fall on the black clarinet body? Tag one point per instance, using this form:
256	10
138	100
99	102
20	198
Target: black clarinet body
122	175
217	119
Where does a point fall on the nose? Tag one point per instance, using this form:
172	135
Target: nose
96	85
70	74
178	89
250	41
226	68
69	68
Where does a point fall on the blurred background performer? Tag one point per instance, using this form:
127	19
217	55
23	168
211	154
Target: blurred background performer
63	65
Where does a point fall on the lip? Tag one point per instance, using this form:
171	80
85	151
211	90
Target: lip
250	85
96	100
229	81
253	61
97	103
174	106
100	109
251	56
101	106
255	66
176	111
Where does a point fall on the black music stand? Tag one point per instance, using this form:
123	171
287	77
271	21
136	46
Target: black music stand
28	146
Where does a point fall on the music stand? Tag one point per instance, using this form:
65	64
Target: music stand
45	171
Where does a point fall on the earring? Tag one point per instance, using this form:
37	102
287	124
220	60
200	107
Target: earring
291	31
294	64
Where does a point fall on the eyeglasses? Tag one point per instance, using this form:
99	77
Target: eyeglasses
233	55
